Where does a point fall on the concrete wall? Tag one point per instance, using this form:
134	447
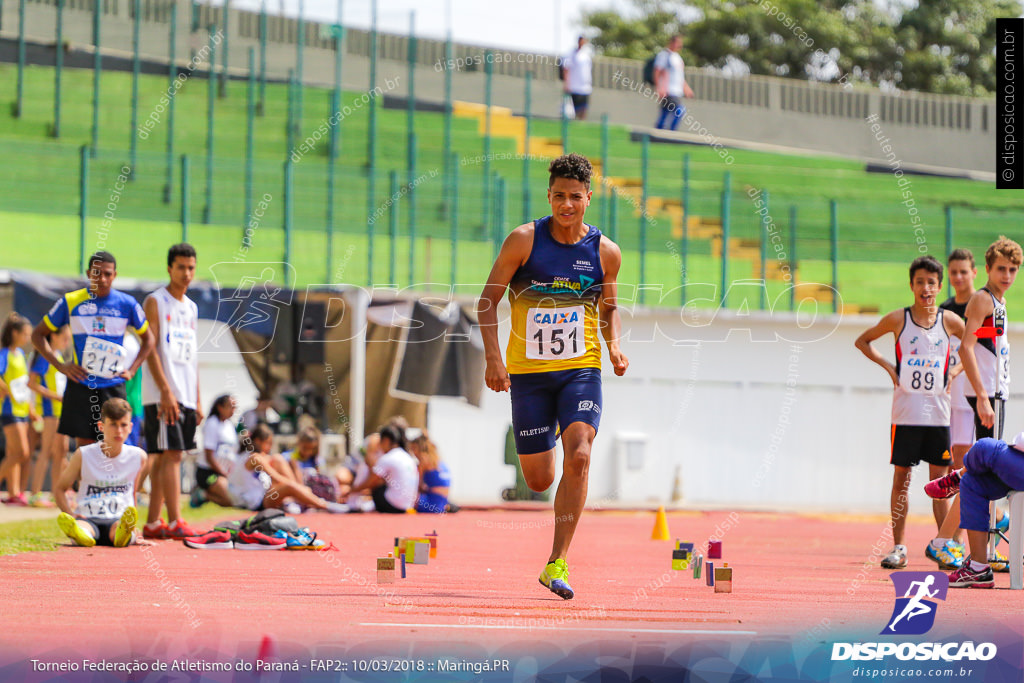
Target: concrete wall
781	424
950	132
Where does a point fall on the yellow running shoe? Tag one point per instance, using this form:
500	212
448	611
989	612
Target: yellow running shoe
555	578
69	525
123	535
999	563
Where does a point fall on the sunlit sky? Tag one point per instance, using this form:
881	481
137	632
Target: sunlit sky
542	26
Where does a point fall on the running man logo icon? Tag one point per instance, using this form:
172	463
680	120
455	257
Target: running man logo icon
914	612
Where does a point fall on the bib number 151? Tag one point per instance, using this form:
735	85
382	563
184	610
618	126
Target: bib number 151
554	334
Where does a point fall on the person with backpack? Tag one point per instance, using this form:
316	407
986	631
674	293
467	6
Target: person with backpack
670	83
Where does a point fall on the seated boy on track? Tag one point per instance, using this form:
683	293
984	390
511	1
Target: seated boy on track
108	474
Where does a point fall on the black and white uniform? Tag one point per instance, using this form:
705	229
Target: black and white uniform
920	404
995	375
961	416
177	350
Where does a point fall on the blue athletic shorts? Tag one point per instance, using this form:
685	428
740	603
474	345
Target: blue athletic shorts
544	401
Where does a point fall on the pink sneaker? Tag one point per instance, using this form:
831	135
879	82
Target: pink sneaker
944	487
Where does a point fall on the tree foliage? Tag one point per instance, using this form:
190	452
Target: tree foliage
939	46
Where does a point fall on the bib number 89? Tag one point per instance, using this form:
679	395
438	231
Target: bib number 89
927	381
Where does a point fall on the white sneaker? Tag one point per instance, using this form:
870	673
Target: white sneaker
896	559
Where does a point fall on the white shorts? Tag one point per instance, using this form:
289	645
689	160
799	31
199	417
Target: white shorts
961	427
250	495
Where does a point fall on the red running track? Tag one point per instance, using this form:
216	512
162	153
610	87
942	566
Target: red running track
809	578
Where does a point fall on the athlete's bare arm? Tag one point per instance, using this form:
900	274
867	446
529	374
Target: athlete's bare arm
891	322
955	327
147	342
70	474
514	253
168	409
608	306
979	307
70	370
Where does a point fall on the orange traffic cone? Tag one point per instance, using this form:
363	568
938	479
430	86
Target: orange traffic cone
660	532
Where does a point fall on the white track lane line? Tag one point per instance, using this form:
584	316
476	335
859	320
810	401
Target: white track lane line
691	632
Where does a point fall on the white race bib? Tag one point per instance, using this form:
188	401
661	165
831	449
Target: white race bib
20	393
103	358
61	381
182	347
104	505
555	333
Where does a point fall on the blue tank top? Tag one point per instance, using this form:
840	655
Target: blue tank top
554	297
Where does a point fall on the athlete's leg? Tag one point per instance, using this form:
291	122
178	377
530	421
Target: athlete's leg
58	454
277	494
284	468
898	502
170	484
951	525
940	506
154	468
538	469
31	461
16	436
45	449
571	496
217	492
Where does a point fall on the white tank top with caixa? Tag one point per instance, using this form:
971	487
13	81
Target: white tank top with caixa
922	364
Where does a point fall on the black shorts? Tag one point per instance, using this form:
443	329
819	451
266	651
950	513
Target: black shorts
381	502
912	444
80	413
205	478
160	436
980	430
101	527
579	101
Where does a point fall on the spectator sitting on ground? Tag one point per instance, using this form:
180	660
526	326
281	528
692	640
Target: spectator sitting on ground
263	413
435	479
220	444
307	465
261	480
394	477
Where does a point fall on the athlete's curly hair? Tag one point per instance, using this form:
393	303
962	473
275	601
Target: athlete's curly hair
1006	248
572	166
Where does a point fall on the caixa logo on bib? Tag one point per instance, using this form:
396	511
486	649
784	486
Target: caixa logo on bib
917	596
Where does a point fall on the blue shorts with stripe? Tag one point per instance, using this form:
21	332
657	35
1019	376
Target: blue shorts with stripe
543	402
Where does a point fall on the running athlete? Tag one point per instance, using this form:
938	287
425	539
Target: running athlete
561	276
947	548
170	392
108	474
99	316
920	402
